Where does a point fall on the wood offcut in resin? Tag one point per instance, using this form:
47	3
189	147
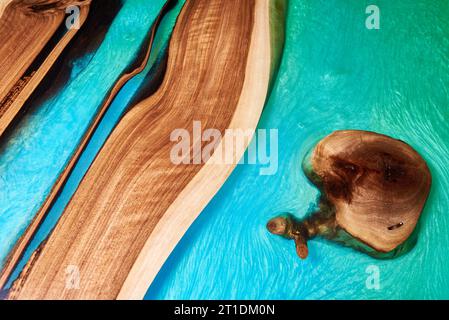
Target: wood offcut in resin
134	204
374	189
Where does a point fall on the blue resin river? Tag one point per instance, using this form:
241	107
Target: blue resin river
121	102
335	74
40	146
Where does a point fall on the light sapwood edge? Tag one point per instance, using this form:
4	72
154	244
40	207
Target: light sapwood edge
3	5
201	189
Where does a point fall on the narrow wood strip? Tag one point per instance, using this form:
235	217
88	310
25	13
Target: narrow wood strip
25	29
18	251
8	115
218	73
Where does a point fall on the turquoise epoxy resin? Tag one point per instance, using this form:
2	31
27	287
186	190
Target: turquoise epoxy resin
336	74
39	147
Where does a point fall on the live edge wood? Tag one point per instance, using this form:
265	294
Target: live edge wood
134	204
18	250
25	29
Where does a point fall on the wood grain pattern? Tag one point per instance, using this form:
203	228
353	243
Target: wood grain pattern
373	191
25	29
138	66
378	185
134	204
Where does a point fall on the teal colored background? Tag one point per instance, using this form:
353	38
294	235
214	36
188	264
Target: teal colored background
335	74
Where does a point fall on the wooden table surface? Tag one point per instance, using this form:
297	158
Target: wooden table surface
134	204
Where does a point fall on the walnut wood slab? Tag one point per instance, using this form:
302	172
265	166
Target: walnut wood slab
16	253
134	204
378	185
25	29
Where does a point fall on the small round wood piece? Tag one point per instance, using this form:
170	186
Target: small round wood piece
377	184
